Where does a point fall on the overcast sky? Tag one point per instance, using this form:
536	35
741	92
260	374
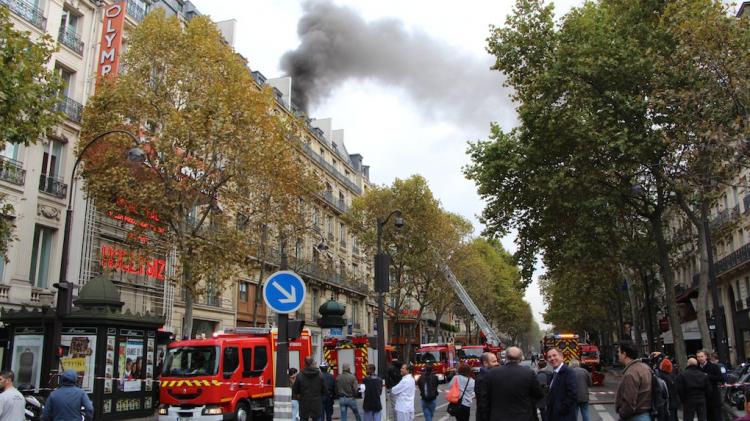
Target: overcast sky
408	81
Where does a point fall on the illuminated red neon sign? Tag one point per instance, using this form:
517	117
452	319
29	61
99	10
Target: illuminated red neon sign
128	262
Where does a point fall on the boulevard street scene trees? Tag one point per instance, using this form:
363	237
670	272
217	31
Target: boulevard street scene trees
152	178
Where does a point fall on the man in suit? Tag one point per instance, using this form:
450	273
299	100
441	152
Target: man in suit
562	399
713	403
511	390
489	362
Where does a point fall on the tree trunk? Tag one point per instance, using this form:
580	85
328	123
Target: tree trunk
649	316
702	304
665	271
635	320
187	320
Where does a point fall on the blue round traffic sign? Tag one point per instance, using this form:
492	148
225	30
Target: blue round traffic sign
284	291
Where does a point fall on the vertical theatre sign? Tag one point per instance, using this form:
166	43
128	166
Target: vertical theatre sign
111	44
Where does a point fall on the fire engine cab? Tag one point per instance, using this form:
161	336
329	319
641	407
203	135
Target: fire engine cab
225	377
470	355
442	356
357	351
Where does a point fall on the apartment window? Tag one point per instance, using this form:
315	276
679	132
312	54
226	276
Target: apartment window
316	217
341	198
69	21
747	286
67	78
314	302
355	312
342	233
298	249
334	163
735	196
740	238
10	150
329	224
40	258
52	158
243	291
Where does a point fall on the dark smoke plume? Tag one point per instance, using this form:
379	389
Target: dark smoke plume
338	44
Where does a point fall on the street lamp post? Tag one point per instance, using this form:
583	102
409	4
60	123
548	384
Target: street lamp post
65	288
382	263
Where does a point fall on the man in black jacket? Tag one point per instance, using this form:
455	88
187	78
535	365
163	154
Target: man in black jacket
512	390
489	361
428	389
713	404
562	398
330	393
371	405
693	387
308	389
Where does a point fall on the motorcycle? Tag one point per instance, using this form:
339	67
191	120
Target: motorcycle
735	395
34	405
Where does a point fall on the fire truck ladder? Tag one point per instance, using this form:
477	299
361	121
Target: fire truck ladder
489	333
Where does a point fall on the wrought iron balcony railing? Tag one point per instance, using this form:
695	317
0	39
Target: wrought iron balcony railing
341	177
12	171
53	186
734	259
71	108
27	11
70	39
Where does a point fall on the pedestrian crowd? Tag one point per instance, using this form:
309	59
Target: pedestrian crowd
649	389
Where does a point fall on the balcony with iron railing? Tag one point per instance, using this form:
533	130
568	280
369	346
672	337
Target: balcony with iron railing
53	186
724	217
71	108
208	300
336	202
336	173
734	259
70	38
12	171
28	11
316	270
136	10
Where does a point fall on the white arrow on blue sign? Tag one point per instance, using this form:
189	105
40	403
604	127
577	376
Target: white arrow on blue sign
284	291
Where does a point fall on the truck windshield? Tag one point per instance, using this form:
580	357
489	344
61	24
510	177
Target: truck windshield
428	356
187	361
470	352
590	354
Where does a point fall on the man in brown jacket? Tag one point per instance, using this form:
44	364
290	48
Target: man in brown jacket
633	398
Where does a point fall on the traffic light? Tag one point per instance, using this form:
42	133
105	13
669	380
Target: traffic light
294	329
382	272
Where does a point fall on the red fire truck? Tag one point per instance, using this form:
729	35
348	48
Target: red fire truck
227	376
357	351
442	356
470	354
572	349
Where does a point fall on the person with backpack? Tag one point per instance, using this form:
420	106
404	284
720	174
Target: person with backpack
665	373
633	396
694	388
428	389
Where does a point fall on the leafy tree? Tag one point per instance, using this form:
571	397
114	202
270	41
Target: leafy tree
588	142
28	95
216	150
412	246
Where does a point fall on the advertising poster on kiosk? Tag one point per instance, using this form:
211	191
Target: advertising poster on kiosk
27	360
79	355
130	364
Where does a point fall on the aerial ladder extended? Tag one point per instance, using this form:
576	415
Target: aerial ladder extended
465	298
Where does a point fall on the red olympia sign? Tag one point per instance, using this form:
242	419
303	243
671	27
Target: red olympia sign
129	262
111	44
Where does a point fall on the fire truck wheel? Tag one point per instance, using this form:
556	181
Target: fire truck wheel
241	413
